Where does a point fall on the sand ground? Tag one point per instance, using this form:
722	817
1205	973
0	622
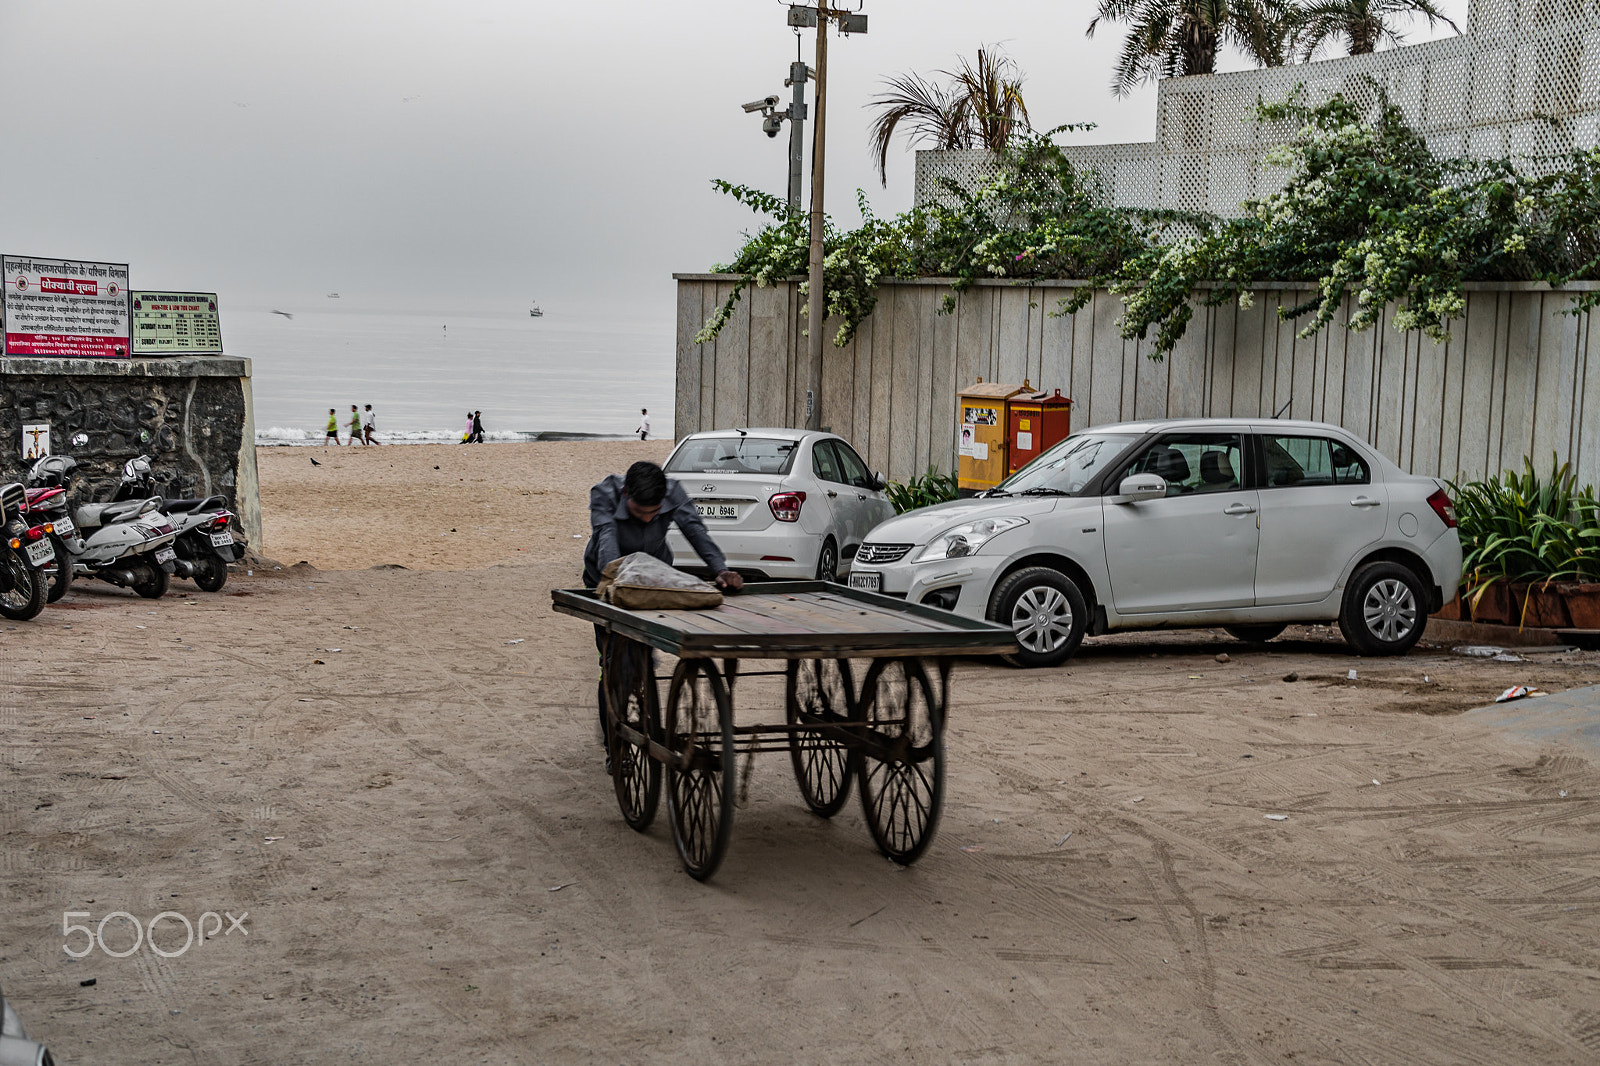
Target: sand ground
411	809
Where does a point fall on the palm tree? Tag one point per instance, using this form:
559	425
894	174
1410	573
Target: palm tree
1176	38
1360	25
981	106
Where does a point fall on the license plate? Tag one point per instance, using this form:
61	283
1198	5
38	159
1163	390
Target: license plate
165	555
222	540
869	581
40	552
717	510
64	527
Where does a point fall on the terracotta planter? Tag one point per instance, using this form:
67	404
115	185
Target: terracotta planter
1493	607
1583	605
1543	607
1453	611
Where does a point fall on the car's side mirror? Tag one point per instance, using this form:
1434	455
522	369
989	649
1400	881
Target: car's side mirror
1136	488
878	481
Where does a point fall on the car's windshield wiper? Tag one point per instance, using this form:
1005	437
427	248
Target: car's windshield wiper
991	494
1044	491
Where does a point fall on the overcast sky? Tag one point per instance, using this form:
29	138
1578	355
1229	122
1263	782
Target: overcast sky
464	153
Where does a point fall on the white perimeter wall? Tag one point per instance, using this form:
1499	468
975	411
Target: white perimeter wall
1516	377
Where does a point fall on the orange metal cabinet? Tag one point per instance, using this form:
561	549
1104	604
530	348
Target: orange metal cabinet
1037	422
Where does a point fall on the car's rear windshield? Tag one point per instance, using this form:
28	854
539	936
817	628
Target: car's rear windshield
733	455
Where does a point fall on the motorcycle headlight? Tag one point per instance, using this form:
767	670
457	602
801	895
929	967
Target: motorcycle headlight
968	538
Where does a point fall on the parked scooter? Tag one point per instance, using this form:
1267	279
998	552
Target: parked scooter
127	543
24	548
204	540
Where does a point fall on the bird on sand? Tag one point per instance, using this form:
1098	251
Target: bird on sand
314	462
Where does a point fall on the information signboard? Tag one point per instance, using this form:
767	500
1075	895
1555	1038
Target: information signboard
64	307
176	323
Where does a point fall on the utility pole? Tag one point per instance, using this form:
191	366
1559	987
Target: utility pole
817	295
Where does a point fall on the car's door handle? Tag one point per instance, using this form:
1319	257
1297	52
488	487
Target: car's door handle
861	495
832	493
1365	501
1238	508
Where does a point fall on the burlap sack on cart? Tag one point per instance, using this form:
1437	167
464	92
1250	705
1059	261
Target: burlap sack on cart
641	582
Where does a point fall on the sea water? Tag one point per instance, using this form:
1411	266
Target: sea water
423	371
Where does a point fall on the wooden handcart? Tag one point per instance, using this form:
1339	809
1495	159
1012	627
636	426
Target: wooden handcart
883	731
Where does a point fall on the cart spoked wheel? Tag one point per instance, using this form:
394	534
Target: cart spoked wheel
820	692
700	773
901	758
633	707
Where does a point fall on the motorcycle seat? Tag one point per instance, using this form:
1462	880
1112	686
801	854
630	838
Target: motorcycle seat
204	503
93	515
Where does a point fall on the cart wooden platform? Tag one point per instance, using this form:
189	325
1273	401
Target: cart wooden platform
884	732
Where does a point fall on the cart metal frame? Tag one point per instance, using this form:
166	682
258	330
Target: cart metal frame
887	735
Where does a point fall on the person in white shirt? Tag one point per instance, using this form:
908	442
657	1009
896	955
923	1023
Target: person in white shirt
368	424
644	424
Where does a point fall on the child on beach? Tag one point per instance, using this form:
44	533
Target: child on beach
466	438
355	425
333	428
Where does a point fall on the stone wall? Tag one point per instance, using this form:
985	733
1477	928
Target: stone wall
191	415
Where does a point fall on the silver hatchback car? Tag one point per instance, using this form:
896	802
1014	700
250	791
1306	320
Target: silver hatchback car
1247	524
780	503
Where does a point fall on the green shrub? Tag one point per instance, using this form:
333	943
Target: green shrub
924	491
1524	527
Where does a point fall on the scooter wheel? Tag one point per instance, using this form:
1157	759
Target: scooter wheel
210	573
153	582
24	593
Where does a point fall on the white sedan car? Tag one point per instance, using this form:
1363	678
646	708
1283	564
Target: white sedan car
780	503
1250	525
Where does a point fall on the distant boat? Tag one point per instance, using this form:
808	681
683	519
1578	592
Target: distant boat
535	313
333	296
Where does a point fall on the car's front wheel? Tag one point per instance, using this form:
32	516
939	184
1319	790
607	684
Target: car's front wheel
1046	611
1383	612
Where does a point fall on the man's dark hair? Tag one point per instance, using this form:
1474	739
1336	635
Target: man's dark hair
645	483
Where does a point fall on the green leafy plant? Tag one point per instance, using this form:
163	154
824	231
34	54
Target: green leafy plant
1527	527
925	490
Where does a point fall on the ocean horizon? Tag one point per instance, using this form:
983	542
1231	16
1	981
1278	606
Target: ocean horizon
554	377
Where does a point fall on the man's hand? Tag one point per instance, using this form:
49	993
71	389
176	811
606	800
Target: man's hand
731	581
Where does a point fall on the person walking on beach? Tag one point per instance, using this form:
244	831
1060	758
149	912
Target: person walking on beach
355	426
368	424
333	428
466	436
477	427
643	428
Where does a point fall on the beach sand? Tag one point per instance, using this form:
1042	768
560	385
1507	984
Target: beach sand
395	773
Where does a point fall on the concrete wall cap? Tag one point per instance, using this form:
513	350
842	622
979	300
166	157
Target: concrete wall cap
194	366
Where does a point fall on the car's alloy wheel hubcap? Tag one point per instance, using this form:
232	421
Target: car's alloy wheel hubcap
1390	610
1042	619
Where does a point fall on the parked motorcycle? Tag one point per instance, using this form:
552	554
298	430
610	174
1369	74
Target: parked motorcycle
204	539
49	506
24	548
126	543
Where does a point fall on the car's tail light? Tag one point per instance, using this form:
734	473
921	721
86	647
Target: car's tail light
786	506
1443	507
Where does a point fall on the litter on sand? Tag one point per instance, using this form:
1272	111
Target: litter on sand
1351	675
1068	837
1479	651
1507	657
1277	817
972	847
519	640
558	888
1517	692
